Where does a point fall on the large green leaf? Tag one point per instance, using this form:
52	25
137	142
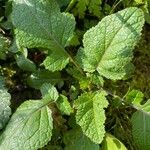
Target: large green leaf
90	114
75	140
112	143
141	129
140	119
41	24
30	127
108	46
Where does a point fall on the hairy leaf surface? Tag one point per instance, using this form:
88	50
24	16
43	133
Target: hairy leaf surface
30	127
108	46
141	129
75	140
64	105
49	92
140	119
90	114
5	110
43	25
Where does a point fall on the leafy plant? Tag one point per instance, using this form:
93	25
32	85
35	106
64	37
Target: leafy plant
75	106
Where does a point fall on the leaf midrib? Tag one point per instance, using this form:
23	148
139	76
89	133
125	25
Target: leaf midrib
106	48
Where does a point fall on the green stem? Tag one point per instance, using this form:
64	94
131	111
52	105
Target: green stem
126	103
76	64
114	7
71	5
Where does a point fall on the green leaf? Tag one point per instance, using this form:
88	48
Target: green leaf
75	140
112	143
4	44
135	97
108	46
25	64
43	25
5	110
141	129
92	6
140	119
96	79
30	127
37	79
64	105
49	92
55	62
90	114
2	82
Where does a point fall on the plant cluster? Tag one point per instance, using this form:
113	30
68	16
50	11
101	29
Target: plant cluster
69	76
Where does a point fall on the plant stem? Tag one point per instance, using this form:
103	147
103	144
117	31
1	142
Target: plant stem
76	64
71	5
114	7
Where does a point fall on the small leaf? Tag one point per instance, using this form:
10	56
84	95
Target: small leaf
108	46
64	105
56	62
112	143
49	92
135	97
75	140
38	78
90	114
30	127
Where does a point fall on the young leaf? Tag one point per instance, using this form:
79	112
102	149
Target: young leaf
75	140
135	97
55	62
108	46
64	105
49	92
141	129
84	5
50	28
90	114
112	143
30	127
5	110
